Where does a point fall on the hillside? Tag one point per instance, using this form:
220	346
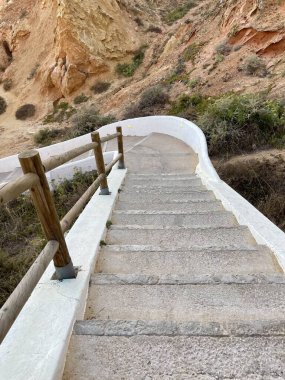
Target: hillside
53	51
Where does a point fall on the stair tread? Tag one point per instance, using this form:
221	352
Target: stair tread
206	302
121	259
182	237
163	357
119	327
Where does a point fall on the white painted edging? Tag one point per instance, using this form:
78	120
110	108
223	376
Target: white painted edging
36	346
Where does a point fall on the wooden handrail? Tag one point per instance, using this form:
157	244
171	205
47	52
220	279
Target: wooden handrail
121	148
110	137
73	213
43	201
22	292
34	179
98	153
54	162
15	188
112	163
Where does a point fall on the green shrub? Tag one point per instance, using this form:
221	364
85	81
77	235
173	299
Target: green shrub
3	105
179	12
255	66
7	84
223	48
190	52
128	69
25	112
61	112
189	107
100	87
82	98
235	123
46	136
150	100
88	120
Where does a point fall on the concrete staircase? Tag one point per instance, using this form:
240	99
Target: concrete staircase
180	291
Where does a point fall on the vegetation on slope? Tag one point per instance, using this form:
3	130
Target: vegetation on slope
21	237
261	182
235	123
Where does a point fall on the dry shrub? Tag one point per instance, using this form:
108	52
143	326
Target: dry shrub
3	105
25	112
261	182
100	87
150	101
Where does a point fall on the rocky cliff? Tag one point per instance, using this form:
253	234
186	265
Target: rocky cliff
55	49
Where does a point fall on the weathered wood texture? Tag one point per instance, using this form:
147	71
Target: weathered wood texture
22	292
121	148
109	137
15	188
100	162
54	162
44	204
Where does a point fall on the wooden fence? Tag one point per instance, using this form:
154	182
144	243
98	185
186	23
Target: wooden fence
34	179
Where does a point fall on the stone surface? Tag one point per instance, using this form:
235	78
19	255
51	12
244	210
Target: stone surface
181	291
214	303
186	279
207	219
177	358
105	327
112	260
135	196
182	237
180	206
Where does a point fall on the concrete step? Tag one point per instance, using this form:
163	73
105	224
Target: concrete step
166	175
158	197
175	206
118	327
177	358
186	279
217	302
182	237
162	182
207	219
112	260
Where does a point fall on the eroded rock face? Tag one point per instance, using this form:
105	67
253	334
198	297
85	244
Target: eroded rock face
86	38
89	35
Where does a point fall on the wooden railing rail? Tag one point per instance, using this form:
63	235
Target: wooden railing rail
15	188
22	292
53	162
74	212
110	137
34	179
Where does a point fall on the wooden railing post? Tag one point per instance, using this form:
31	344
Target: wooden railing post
100	163
31	163
121	164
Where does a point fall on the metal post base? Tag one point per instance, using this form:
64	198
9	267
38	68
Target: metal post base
105	191
121	165
66	272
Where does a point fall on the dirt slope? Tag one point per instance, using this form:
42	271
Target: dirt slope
53	50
